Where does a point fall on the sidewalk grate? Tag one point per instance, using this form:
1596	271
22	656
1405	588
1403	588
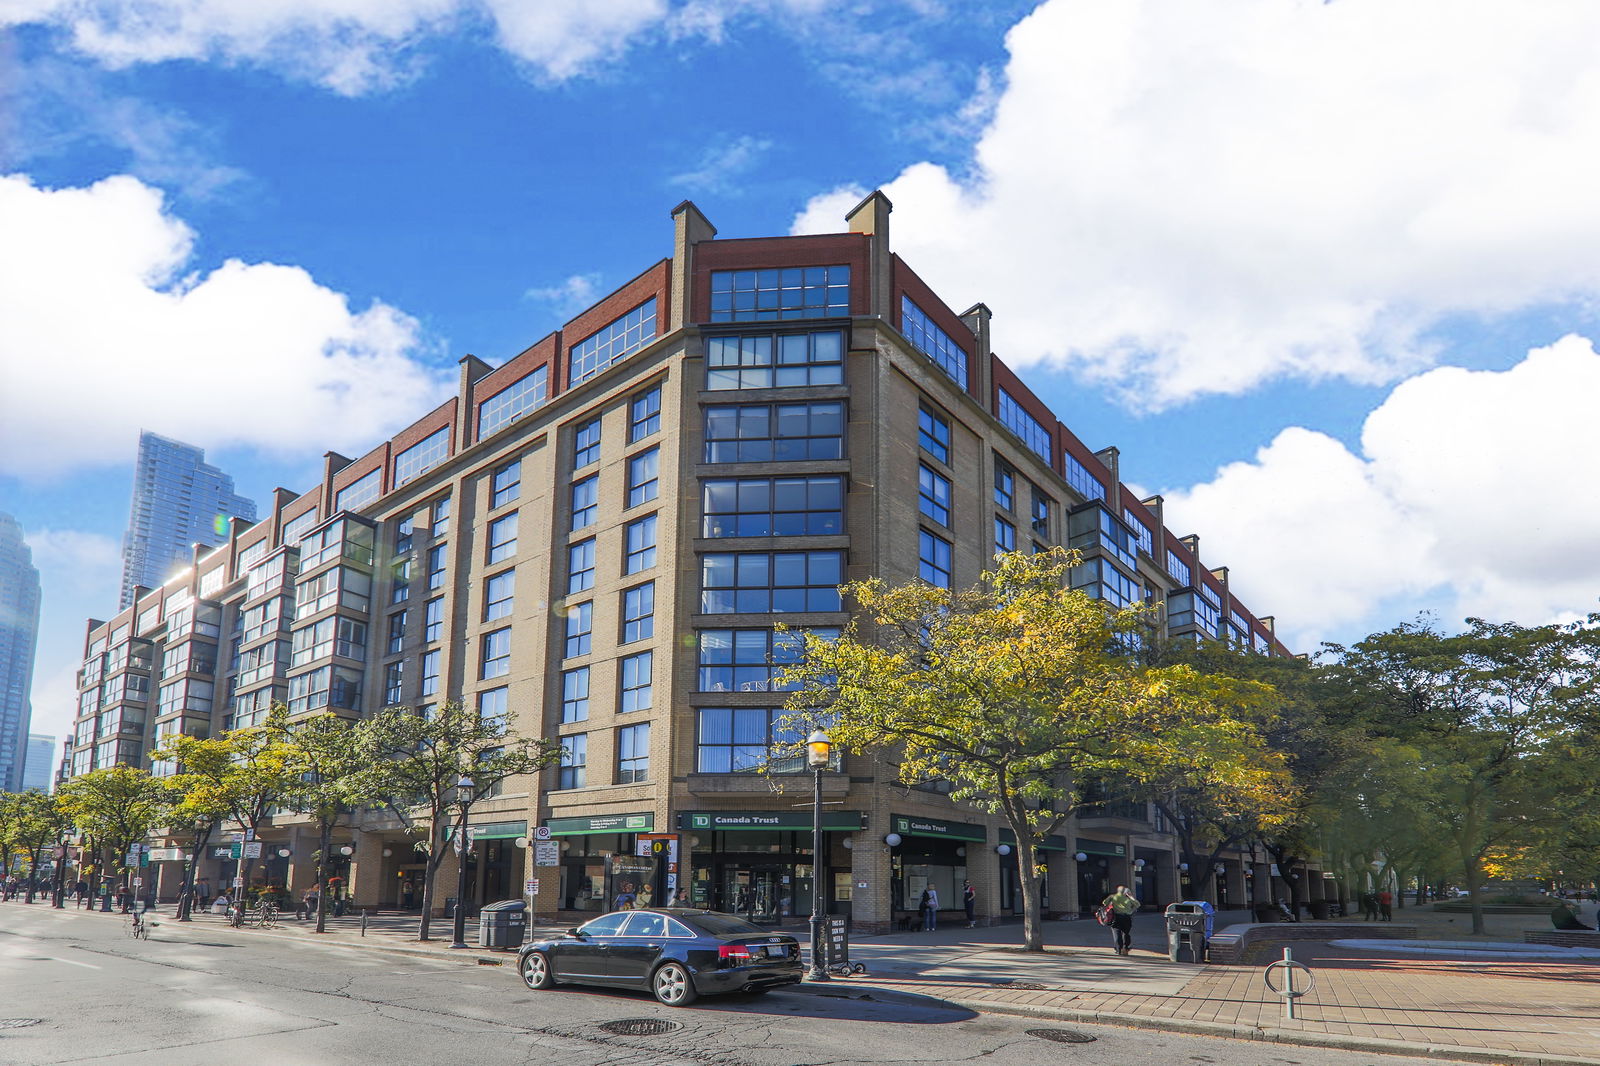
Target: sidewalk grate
641	1027
1063	1036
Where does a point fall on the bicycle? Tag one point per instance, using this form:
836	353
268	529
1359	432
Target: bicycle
139	926
267	915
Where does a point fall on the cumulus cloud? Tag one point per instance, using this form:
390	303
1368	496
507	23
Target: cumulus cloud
1472	490
1177	199
104	318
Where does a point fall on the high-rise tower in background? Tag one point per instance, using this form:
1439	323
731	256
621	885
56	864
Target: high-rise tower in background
40	770
19	635
178	501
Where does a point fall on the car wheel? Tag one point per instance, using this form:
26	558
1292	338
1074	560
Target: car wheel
673	986
536	971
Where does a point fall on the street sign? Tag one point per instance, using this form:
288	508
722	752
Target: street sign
238	882
532	886
236	850
249	835
252	850
547	853
138	882
541	832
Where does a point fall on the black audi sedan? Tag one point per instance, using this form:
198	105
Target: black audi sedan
677	953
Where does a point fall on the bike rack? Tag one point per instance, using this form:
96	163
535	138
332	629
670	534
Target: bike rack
1289	992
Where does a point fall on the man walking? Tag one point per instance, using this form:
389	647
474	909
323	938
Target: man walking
1123	907
930	909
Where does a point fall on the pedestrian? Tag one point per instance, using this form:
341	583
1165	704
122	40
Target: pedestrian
969	900
203	890
80	891
1369	905
1123	907
125	898
930	909
407	895
308	905
1386	905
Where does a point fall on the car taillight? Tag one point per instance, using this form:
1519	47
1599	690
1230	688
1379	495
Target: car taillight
733	953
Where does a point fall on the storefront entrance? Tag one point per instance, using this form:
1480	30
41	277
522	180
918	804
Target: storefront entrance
767	894
759	865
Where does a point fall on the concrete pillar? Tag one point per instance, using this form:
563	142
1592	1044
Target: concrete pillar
871	216
870	907
366	870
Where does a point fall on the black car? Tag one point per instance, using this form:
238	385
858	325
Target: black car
677	953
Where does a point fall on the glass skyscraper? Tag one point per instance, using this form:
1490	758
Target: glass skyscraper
19	635
40	771
178	501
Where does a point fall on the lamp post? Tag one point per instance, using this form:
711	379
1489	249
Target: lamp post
818	749
464	788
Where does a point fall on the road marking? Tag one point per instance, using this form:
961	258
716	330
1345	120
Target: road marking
69	962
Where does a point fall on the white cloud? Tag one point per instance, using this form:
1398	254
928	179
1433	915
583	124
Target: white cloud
1474	491
577	293
104	318
721	166
1177	199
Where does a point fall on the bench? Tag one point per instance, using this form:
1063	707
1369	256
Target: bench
1231	945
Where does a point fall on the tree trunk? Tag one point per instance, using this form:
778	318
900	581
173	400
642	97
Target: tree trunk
435	858
186	891
33	871
1473	881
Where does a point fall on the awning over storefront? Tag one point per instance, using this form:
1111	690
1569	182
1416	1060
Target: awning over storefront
601	823
753	821
1101	847
1053	842
490	831
910	825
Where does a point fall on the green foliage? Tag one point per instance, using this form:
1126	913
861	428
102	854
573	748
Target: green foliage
117	806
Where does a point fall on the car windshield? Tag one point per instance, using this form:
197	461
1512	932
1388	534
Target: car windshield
726	925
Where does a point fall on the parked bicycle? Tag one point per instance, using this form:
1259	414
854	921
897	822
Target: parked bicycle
263	915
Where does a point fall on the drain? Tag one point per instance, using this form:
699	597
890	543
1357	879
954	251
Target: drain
642	1027
1062	1036
18	1023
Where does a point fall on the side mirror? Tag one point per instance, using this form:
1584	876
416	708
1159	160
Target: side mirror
579	933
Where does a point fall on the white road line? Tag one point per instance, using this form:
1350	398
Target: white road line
70	962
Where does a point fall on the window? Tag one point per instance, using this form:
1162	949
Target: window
439	517
633	753
525	394
785	293
397	631
580	626
586	444
503	538
1005	487
933	556
402	535
326	686
293	530
494	705
638	612
775	432
1188	609
574	761
933	495
1105	582
1090	528
496	654
422	456
575	695
1040	514
933	434
401	588
736	740
341	586
1083	483
765	360
644	415
1178	569
349	540
359	492
637	690
430	673
436	561
644	472
1005	536
394	675
773	507
344	637
761	582
932	341
749	660
1141	532
641	545
1024	425
498	593
433	620
507	484
580	566
612	343
585	501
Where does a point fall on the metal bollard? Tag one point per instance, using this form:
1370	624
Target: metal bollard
1289	992
363	921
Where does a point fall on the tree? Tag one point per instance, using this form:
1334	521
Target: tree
1015	691
414	762
116	806
326	762
8	815
37	823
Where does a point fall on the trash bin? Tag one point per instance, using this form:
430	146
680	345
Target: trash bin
1189	925
1267	912
503	925
1319	909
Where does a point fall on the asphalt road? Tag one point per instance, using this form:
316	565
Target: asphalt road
74	988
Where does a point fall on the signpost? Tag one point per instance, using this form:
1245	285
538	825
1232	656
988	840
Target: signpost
547	853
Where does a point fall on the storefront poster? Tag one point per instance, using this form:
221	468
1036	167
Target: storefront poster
632	882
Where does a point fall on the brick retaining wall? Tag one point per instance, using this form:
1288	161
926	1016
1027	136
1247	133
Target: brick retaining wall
1231	945
1567	938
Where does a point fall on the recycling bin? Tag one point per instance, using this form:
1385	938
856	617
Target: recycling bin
1189	925
503	925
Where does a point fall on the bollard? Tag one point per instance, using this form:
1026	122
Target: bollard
1289	992
363	921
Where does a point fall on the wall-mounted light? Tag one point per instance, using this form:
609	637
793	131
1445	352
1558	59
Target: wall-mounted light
347	851
521	842
1138	864
961	852
848	843
1002	849
1184	867
1081	857
284	853
388	852
893	840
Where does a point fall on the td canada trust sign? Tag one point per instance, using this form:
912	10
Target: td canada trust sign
736	821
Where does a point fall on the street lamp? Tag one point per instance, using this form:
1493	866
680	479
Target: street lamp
464	787
818	750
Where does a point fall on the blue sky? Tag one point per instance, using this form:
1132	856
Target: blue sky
1290	257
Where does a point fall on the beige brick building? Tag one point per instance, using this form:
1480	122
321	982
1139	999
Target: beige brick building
596	539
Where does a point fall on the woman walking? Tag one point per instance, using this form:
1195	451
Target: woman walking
969	900
1123	907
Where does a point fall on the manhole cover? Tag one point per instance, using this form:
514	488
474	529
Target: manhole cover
641	1027
1062	1036
18	1023
1034	986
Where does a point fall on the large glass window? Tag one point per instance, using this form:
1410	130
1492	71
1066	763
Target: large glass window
271	616
1105	582
781	293
933	495
638	612
1141	532
641	545
580	566
585	501
326	686
507	484
575	695
340	586
433	620
496	654
637	672
1083	483
296	528
394	677
782	432
430	673
1178	568
783	360
933	434
761	582
580	627
586	444
750	660
498	595
933	342
573	767
633	753
348	540
436	566
494	707
263	661
422	456
644	415
734	740
1024	425
1187	609
933	559
397	632
1005	487
527	393
1005	536
644	477
359	492
503	538
1040	513
612	343
773	507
